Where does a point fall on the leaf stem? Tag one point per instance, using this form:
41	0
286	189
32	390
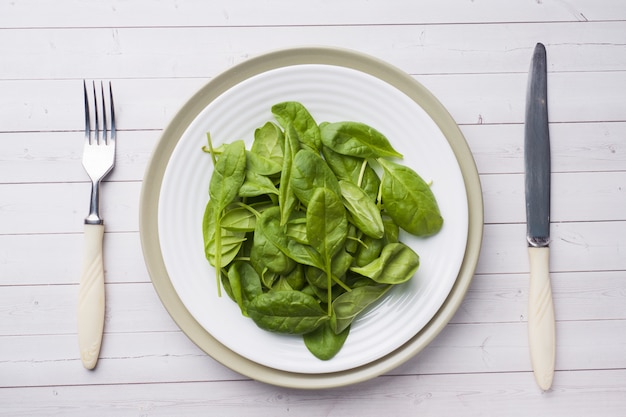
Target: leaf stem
249	208
362	172
210	145
379	197
218	252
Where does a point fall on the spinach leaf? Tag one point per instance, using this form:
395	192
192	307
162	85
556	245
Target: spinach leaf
354	169
357	139
292	312
348	305
266	252
296	278
295	114
408	200
296	227
266	153
397	264
245	284
392	231
256	185
340	264
240	217
229	241
310	172
324	343
228	175
364	212
303	254
286	198
326	223
327	229
368	251
275	233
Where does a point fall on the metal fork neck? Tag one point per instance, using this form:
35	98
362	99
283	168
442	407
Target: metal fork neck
94	205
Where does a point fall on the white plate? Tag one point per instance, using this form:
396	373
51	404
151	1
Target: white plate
331	93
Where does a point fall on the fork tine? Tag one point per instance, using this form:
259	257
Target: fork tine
87	118
104	115
112	113
97	117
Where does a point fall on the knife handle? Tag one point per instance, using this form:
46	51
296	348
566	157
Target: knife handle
91	297
541	322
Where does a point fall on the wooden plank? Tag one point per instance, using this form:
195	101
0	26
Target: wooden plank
473	395
576	147
38	310
44	105
202	52
494	298
577	296
68	203
50	259
140	357
593	246
576	197
57	156
129	357
74	13
586	247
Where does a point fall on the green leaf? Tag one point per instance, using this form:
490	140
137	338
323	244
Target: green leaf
368	251
229	241
291	312
324	343
326	222
256	185
245	284
364	212
240	217
353	169
266	153
357	139
309	172
295	114
408	200
296	227
286	198
296	278
340	264
275	233
228	175
397	264
349	305
265	252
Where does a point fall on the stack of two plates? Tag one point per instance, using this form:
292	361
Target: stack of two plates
334	85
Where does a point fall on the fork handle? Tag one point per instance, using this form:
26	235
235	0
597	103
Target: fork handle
91	297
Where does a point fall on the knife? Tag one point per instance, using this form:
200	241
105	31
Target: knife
541	322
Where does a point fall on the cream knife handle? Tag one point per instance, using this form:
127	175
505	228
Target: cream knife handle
91	297
541	323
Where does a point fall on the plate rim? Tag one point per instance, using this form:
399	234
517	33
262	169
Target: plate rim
155	171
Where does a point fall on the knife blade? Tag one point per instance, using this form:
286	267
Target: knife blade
541	321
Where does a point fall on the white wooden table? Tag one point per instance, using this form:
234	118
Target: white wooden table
473	55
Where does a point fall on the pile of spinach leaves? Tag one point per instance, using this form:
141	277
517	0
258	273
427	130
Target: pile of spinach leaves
303	231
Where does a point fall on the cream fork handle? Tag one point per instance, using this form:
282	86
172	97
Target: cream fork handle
541	323
91	297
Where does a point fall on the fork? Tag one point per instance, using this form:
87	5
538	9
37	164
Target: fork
98	160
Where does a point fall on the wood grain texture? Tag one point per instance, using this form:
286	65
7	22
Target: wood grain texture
473	56
29	13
